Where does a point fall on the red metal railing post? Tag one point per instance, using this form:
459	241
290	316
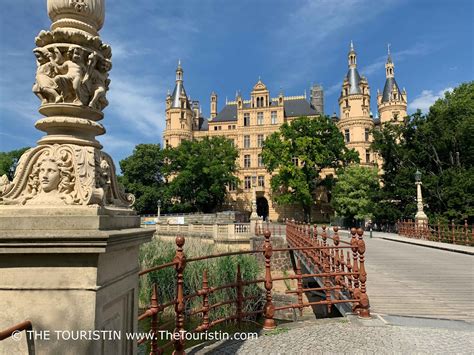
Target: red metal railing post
240	296
355	265
452	232
154	308
204	292
300	287
179	307
466	235
324	235
364	299
269	310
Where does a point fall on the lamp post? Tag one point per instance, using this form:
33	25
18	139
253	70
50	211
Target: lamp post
159	212
420	217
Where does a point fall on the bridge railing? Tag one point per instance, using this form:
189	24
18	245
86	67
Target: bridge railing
344	277
445	233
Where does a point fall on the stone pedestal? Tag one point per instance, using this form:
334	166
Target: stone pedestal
70	269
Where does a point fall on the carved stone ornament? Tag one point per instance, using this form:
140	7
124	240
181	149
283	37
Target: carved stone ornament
68	166
65	175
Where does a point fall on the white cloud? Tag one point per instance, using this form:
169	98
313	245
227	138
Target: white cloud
426	99
139	104
314	22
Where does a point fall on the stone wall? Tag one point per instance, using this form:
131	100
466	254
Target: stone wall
280	260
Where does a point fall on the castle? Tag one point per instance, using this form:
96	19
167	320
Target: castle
247	122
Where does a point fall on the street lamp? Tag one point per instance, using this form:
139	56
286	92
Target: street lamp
420	217
159	212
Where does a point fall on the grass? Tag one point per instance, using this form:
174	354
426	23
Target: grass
220	271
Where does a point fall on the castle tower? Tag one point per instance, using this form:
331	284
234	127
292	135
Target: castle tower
317	98
213	105
179	114
392	103
354	102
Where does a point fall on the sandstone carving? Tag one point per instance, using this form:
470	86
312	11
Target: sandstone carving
67	175
72	80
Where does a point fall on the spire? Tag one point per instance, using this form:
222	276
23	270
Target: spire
179	72
391	89
179	94
353	75
352	56
389	56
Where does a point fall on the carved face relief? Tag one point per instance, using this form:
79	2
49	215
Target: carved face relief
49	175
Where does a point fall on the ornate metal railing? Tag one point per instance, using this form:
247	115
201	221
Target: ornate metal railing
344	282
445	233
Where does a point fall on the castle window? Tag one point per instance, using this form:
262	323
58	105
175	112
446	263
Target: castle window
367	156
260	118
182	115
232	186
261	181
246	141
232	142
274	117
182	125
260	160
233	126
347	103
167	143
395	116
246	119
229	127
260	140
247	161
347	135
215	128
247	182
366	134
295	161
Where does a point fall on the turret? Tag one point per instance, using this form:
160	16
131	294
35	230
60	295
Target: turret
213	105
355	121
392	103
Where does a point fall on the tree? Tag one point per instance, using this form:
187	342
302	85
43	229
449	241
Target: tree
439	144
143	176
200	172
9	160
297	154
355	188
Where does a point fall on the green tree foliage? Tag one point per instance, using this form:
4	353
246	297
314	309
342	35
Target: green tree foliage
355	188
9	160
317	144
200	171
439	144
143	176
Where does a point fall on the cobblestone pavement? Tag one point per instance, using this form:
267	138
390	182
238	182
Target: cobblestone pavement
350	336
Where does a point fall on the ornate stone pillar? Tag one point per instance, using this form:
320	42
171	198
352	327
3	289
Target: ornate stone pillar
420	218
69	238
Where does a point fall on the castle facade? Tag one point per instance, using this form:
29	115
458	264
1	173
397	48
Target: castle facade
248	121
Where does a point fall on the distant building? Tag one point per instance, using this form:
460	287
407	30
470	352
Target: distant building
248	121
317	98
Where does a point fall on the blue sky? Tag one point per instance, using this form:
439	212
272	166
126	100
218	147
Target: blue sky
226	45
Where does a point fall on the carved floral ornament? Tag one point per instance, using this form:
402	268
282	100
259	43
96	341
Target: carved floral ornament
64	175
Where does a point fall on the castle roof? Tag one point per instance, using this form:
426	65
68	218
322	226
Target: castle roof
292	107
178	92
387	89
354	80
